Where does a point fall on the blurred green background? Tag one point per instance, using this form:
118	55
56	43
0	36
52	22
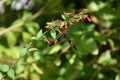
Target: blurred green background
98	42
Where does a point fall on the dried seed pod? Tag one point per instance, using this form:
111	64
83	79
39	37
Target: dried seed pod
46	40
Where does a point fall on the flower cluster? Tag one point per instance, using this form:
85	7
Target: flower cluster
69	18
61	25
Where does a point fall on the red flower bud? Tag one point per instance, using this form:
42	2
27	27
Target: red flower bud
75	16
67	14
70	23
48	26
89	19
55	41
76	20
59	20
83	18
59	31
65	26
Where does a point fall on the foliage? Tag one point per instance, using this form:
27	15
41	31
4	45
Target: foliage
31	29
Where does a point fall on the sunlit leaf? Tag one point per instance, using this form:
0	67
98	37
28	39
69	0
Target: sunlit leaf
100	76
32	27
88	45
55	49
53	34
39	34
111	42
57	62
10	74
99	38
32	49
79	65
106	59
26	15
93	6
72	59
4	68
16	21
117	77
62	71
63	16
11	38
62	24
26	37
1	75
34	76
23	51
20	69
33	38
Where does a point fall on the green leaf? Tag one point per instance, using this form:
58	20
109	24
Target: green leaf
32	27
26	15
1	75
33	38
62	24
53	34
32	49
55	49
88	45
39	34
63	16
11	38
23	51
57	62
99	38
72	59
16	21
26	37
20	69
106	59
117	77
111	42
10	74
4	68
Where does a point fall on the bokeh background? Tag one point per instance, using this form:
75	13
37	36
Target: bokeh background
98	42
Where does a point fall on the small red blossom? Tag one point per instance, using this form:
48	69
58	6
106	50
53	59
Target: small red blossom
55	41
59	20
65	26
89	19
75	16
71	23
83	18
67	14
48	26
86	17
76	20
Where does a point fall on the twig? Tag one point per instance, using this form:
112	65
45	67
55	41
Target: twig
115	70
96	72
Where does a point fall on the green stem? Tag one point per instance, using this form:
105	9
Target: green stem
16	62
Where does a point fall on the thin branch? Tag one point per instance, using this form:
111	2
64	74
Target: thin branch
13	27
99	69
